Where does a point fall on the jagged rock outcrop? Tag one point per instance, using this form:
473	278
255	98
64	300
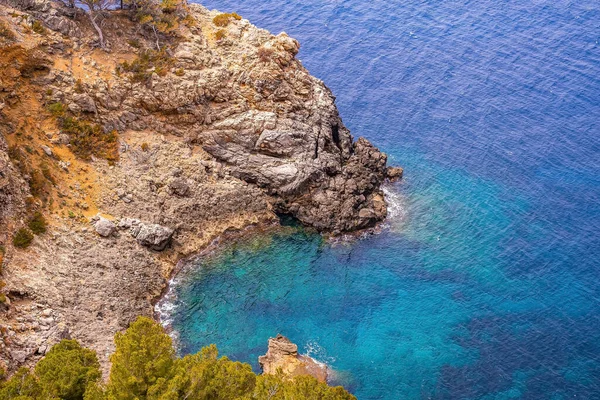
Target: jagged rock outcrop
54	15
282	355
264	117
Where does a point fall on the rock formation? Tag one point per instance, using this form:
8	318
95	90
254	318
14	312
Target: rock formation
282	356
220	130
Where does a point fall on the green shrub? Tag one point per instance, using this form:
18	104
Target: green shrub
22	238
57	109
134	43
180	72
37	183
46	173
38	28
145	146
23	385
225	18
86	139
37	223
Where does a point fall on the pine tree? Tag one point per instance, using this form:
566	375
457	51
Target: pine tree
204	376
144	355
22	386
67	370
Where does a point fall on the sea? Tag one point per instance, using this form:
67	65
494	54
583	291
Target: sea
484	283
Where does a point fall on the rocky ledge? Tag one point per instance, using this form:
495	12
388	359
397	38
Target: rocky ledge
282	357
221	129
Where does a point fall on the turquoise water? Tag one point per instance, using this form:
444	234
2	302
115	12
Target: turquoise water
484	283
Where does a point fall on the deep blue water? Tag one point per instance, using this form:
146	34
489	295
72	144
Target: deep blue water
486	282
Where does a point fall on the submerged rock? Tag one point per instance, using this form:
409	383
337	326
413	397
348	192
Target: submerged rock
394	173
283	355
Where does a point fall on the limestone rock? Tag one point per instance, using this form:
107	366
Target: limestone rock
104	227
84	102
283	355
154	236
47	150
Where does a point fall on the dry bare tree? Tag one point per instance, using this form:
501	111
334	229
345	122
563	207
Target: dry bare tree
94	9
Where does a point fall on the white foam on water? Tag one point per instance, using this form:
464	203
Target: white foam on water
314	350
397	213
166	306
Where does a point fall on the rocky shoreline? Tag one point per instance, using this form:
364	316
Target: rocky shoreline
226	132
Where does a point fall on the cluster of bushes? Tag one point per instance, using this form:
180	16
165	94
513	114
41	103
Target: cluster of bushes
86	139
147	63
225	18
37	223
23	238
144	366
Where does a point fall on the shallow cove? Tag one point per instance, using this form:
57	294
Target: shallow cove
485	283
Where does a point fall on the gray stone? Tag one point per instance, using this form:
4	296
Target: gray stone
179	187
104	227
154	236
85	102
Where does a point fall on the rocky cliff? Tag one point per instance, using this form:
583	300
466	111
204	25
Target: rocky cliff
139	156
282	357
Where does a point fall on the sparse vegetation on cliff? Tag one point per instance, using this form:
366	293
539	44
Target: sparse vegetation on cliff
144	366
147	63
38	27
225	18
86	138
